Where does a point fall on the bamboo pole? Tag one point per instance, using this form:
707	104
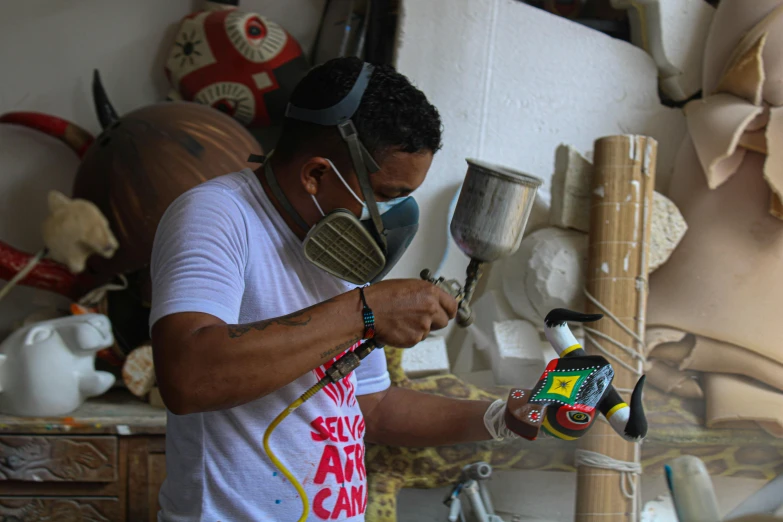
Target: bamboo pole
619	240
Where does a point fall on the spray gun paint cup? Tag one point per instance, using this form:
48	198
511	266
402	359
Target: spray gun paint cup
490	219
492	211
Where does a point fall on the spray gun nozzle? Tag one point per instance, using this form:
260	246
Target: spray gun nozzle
464	315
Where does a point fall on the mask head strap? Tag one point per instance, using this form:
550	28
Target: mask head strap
358	155
277	191
339	115
341	111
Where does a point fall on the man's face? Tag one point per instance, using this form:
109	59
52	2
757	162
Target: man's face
401	173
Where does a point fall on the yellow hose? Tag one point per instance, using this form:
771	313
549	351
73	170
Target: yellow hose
287	474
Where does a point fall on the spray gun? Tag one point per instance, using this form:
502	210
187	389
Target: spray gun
488	224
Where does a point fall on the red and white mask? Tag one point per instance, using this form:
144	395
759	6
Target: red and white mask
237	62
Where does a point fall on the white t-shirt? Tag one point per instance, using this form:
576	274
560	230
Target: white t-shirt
223	249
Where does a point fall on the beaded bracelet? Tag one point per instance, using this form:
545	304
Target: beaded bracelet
369	317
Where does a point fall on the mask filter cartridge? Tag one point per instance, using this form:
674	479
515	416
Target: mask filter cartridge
340	245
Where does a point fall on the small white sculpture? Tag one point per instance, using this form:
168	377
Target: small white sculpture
48	368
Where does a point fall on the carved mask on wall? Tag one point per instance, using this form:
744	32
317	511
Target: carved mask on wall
238	62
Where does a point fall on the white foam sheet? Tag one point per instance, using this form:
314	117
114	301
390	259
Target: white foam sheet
519	358
489	308
511	83
472	354
429	357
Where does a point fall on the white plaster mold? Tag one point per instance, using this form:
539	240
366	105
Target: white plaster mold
548	271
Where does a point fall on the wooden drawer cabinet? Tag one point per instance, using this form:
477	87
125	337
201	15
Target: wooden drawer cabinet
146	471
35	458
104	463
64	509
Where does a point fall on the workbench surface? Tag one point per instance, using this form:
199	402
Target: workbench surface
116	412
676	427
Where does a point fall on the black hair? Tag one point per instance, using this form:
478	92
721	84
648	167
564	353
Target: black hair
393	114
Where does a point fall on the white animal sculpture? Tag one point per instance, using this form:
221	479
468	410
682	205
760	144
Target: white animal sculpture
48	368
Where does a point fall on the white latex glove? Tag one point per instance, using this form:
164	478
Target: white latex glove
494	421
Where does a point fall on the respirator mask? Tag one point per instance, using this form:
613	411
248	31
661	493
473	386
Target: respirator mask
358	250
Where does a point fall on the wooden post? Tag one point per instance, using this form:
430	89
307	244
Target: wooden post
619	241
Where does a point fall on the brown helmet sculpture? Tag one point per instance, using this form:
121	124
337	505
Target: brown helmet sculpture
133	171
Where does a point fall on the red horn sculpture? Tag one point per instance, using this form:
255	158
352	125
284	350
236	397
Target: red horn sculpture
69	133
47	275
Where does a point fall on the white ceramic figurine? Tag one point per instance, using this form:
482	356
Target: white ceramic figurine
48	368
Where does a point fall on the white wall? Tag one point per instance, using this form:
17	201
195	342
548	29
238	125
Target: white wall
48	50
512	82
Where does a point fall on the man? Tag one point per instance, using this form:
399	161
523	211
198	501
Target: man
243	322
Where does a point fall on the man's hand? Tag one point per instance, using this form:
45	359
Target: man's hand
406	310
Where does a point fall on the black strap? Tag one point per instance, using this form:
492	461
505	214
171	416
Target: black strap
278	193
338	113
359	159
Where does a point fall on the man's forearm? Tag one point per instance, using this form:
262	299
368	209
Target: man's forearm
221	366
405	417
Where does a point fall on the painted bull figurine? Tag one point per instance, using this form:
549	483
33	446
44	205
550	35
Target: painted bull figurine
572	390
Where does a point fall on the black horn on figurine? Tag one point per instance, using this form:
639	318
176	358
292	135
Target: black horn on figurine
636	428
103	107
560	316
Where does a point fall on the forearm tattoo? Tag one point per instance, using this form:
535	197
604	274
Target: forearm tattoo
238	330
340	348
300	318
